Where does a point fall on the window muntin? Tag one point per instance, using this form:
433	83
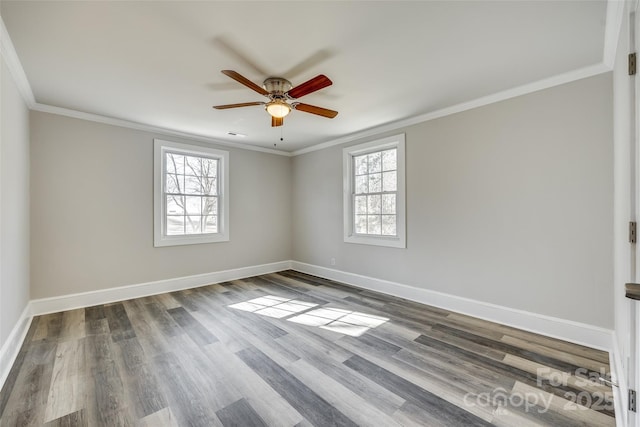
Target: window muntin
191	194
374	196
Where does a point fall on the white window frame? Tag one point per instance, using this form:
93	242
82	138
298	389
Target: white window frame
159	216
398	241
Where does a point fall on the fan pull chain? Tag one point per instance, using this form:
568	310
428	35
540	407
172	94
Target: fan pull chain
281	137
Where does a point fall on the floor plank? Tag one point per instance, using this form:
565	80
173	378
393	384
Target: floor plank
433	405
68	379
240	414
290	349
317	410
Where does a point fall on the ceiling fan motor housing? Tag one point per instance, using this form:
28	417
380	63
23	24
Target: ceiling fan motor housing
277	87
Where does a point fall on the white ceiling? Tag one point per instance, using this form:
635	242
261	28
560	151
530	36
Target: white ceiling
158	63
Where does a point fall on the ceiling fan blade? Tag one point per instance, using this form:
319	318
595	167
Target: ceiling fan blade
244	104
245	81
316	83
277	121
315	110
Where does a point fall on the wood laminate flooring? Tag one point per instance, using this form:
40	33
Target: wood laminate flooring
289	349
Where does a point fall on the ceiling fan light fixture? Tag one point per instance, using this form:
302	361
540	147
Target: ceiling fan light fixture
278	109
279	91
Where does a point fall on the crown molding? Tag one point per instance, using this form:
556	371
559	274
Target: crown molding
549	82
614	16
149	128
8	51
557	80
14	65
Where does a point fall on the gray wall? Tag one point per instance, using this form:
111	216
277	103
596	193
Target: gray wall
510	204
14	205
92	210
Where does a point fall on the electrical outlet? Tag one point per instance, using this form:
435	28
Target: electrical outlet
333	261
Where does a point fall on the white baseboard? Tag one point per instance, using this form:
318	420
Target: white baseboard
11	347
104	296
567	330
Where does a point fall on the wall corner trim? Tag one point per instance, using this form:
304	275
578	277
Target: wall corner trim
567	330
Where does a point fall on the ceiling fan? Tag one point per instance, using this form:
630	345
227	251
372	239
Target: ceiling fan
279	91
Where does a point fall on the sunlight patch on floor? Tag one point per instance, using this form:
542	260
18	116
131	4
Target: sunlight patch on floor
273	306
346	322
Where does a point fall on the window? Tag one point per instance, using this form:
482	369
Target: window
191	197
374	196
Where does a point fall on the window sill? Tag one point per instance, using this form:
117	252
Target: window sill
391	242
191	240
